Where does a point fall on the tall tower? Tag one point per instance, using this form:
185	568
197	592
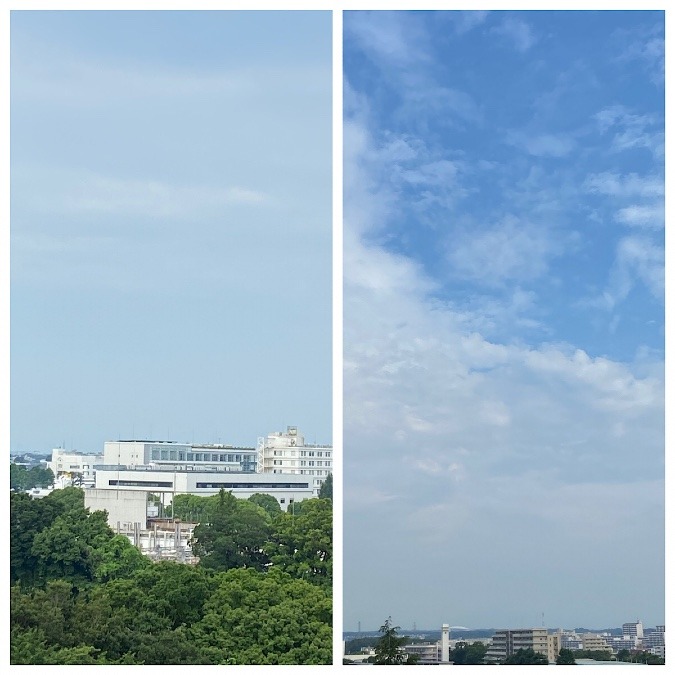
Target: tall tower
445	643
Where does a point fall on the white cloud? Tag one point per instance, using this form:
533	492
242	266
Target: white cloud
543	145
518	32
631	131
510	250
637	259
625	185
465	21
652	216
392	39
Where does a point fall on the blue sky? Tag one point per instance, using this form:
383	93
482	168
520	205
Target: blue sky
504	318
171	226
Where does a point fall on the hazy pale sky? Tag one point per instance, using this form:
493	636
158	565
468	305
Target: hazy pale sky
171	226
504	318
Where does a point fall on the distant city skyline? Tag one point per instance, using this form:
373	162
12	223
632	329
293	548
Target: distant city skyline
171	234
504	317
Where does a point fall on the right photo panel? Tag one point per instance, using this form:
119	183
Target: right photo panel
504	337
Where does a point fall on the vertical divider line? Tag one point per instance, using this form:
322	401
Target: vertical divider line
338	449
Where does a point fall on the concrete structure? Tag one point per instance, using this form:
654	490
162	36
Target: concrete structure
287	453
427	653
570	640
634	631
595	642
128	514
655	641
507	642
554	646
78	466
445	643
163	453
128	508
168	480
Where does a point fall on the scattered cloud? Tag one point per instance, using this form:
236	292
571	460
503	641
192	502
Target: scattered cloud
631	131
465	21
518	32
652	216
512	250
542	145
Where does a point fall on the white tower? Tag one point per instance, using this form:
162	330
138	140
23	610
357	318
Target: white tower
445	643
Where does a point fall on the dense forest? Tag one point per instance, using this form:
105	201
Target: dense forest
261	593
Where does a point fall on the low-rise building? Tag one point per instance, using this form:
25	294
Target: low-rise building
594	642
169	480
507	642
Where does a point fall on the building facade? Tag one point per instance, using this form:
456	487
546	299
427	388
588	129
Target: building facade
287	453
169	480
76	466
594	642
145	452
507	642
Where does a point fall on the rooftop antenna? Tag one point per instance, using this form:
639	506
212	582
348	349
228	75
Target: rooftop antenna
359	626
542	619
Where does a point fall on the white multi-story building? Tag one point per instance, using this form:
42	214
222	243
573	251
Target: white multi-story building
286	452
77	466
634	632
168	481
162	453
655	641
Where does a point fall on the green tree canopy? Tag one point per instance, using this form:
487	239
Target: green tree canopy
389	648
326	490
267	502
466	654
566	658
23	478
302	544
526	657
265	618
233	537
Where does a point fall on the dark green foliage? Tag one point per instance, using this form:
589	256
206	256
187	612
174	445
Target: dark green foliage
639	657
267	502
593	654
84	595
21	478
326	491
526	657
233	537
193	509
28	518
389	648
256	618
302	543
566	658
465	654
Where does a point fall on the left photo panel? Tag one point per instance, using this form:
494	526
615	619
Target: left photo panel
171	337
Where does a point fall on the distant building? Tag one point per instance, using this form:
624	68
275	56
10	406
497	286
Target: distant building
77	466
163	453
633	631
429	653
507	642
655	641
569	639
170	480
595	642
286	452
